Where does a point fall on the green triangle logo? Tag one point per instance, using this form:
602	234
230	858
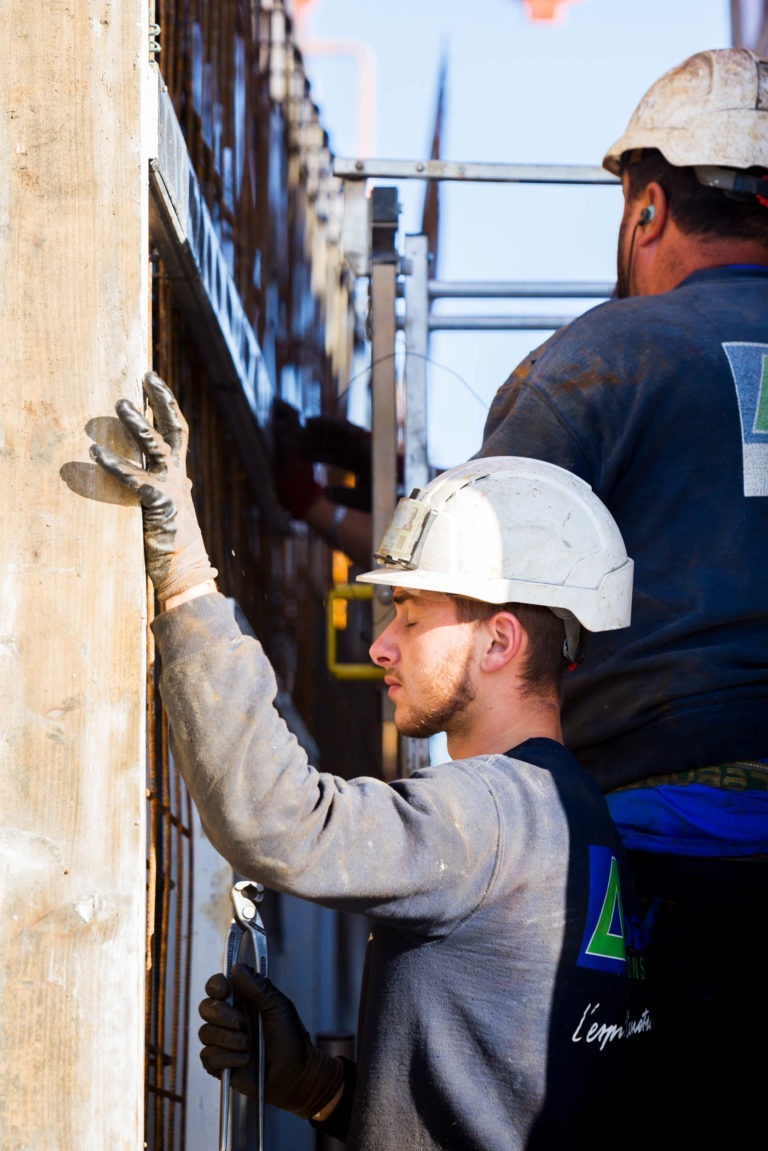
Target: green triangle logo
761	410
604	941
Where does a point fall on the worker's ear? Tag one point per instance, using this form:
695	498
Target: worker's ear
503	638
652	214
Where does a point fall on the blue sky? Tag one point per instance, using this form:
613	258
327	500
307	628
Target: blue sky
518	92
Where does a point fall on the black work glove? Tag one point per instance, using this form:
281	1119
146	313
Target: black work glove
322	440
329	440
298	1076
297	488
174	552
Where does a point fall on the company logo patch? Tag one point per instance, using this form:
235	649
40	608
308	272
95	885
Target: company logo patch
749	368
603	946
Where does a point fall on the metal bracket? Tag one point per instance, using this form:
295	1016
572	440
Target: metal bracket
385	209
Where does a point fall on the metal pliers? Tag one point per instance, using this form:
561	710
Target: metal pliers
246	928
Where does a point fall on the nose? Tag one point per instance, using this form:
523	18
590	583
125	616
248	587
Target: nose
383	649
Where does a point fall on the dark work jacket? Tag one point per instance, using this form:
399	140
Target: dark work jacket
661	404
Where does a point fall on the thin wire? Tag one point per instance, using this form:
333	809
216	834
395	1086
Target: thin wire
428	359
420	355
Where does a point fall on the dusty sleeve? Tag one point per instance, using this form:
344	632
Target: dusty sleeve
422	850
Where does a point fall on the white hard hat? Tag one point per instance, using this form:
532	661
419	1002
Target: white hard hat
710	111
508	529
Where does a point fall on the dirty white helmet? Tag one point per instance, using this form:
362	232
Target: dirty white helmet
710	111
511	529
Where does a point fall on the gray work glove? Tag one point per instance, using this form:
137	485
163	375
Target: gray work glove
174	551
298	1076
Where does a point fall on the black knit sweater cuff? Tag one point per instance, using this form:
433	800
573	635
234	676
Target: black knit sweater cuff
337	1123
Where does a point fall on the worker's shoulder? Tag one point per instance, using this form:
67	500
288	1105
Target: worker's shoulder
702	296
638	328
581	333
631	316
608	334
529	760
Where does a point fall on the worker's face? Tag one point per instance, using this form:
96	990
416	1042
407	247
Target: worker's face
428	657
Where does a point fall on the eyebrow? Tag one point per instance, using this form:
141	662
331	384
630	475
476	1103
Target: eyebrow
401	595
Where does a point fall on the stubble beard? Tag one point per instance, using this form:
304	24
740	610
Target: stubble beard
445	706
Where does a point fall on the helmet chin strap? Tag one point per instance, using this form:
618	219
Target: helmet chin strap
734	183
575	642
574	645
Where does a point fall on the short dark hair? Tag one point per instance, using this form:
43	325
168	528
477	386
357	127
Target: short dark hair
697	209
546	663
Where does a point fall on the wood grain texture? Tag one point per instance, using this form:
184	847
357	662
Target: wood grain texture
73	332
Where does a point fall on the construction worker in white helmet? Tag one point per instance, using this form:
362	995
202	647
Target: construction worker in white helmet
507	1001
659	400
